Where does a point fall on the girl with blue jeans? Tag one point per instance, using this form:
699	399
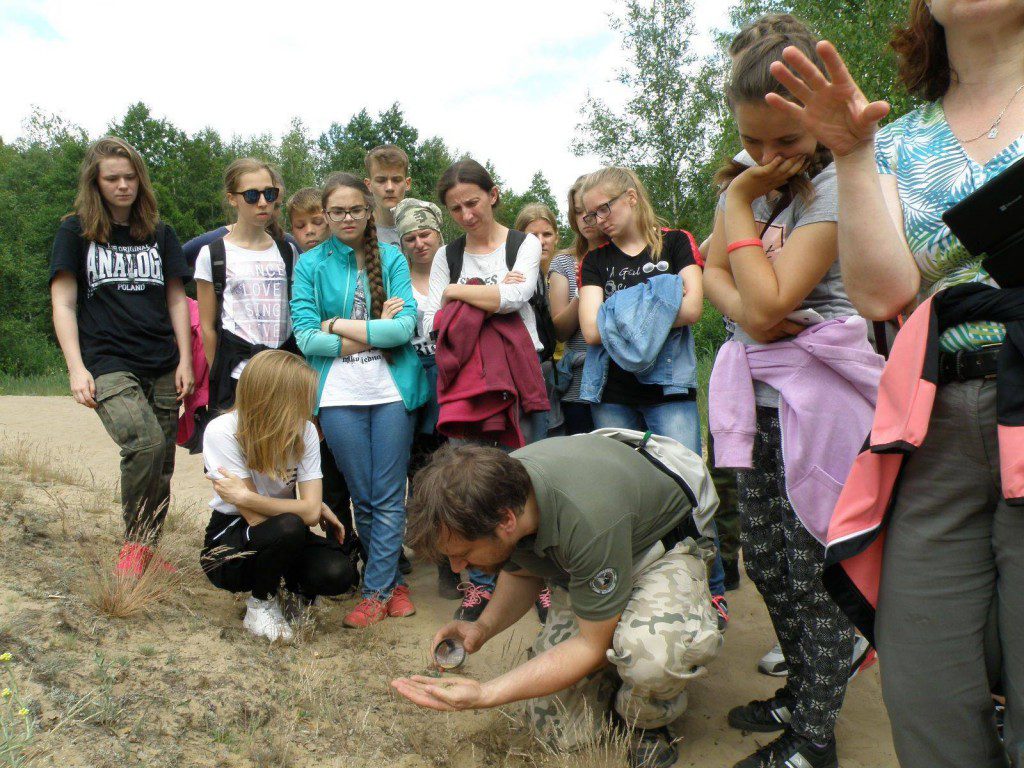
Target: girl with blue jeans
354	318
615	202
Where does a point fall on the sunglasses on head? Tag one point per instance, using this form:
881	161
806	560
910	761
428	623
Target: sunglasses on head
252	196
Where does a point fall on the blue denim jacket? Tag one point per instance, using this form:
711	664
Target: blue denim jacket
636	331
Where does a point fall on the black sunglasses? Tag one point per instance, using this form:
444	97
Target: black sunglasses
252	196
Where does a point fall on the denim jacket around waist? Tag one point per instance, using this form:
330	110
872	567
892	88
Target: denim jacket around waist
636	332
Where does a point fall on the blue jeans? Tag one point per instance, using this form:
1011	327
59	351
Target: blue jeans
371	445
534	427
677	419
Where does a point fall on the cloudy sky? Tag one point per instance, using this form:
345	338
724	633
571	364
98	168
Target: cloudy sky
502	85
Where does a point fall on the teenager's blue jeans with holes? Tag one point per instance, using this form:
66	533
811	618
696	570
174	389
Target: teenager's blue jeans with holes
371	445
677	419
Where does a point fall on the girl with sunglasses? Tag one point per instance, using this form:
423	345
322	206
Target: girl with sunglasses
243	281
355	318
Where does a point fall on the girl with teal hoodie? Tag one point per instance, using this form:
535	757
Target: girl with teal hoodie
354	316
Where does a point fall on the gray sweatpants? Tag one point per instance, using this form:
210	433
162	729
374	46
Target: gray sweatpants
950	618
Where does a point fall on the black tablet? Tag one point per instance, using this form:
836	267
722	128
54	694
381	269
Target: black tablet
990	223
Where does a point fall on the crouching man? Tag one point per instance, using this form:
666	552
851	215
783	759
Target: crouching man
605	523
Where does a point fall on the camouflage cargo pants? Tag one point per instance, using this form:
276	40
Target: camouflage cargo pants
668	632
141	415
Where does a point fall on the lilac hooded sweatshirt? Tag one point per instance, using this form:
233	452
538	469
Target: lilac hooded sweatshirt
827	378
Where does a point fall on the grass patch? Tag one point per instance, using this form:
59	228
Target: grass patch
42	465
46	384
121	595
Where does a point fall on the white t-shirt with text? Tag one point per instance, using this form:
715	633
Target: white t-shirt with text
362	378
221	449
491	268
255	302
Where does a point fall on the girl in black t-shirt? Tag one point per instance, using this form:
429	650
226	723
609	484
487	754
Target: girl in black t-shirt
119	311
616	202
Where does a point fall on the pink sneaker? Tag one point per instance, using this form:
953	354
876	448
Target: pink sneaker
400	605
474	600
369	611
133	559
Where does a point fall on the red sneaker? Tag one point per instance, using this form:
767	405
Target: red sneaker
133	559
400	605
369	611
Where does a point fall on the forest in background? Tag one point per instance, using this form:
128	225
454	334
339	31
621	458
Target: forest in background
675	140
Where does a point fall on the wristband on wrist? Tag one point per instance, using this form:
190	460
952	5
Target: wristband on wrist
330	325
751	241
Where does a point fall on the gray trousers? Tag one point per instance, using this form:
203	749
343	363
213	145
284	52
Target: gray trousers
950	620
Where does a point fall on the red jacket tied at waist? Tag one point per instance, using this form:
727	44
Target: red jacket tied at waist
487	372
856	534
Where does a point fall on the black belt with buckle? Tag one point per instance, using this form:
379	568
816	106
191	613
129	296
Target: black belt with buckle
967	364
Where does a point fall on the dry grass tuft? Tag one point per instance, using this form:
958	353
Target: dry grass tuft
122	596
41	464
270	749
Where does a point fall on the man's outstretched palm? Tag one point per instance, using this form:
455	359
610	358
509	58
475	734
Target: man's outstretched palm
446	694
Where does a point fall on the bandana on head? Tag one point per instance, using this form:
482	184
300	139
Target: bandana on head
412	214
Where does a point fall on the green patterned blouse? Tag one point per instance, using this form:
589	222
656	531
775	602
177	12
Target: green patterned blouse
933	172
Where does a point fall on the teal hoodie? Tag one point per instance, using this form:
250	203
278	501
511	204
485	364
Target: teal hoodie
324	286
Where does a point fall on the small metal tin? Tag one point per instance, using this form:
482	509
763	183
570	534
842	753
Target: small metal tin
449	654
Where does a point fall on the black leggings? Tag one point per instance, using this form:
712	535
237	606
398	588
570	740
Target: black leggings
242	558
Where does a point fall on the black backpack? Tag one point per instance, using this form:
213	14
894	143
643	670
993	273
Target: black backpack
456	250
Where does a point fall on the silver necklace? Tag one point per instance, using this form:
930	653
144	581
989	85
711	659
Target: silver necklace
993	130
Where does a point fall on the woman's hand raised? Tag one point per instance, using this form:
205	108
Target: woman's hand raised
833	109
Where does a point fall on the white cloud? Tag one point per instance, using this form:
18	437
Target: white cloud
501	82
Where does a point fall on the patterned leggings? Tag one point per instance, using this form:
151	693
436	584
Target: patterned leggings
785	563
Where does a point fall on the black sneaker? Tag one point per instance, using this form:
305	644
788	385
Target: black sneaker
789	750
448	583
403	563
651	748
732	574
771	714
542	604
474	600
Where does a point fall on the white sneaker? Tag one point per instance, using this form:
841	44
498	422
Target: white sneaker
264	619
773	663
864	656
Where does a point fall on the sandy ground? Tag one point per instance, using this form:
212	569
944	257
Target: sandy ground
74	434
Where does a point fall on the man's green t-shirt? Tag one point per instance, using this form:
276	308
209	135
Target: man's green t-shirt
602	505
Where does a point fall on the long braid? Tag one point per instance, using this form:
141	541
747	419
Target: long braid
371	256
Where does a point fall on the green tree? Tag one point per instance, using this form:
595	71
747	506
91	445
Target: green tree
671	119
298	157
38	181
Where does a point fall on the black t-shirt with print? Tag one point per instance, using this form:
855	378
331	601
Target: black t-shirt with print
123	320
613	270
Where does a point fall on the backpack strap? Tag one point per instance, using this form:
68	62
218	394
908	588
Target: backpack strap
454	252
513	242
288	257
218	266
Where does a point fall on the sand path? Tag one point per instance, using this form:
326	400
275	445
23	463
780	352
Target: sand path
863	733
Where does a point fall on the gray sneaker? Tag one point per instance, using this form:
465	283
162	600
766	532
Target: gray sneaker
773	663
651	748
